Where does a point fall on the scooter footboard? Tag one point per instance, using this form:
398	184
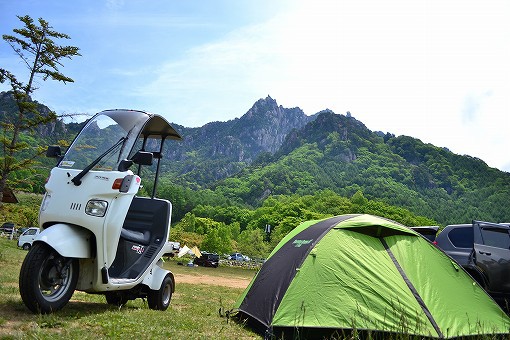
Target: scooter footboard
67	240
130	261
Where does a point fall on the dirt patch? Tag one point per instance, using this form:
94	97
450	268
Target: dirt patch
233	282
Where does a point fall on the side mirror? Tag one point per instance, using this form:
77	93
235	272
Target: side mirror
54	151
125	164
143	158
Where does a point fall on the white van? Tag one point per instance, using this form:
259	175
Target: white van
25	240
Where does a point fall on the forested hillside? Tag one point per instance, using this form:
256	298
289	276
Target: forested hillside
273	152
339	153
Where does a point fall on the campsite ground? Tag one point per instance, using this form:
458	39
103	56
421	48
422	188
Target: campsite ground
193	313
214	280
201	294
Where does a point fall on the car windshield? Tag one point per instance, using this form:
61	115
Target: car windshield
116	130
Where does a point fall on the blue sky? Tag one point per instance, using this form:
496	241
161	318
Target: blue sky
435	70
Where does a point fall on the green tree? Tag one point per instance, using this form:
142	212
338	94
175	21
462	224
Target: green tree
359	199
36	47
218	240
190	239
251	242
211	241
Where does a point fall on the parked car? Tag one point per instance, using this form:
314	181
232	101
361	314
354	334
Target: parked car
176	246
27	238
207	260
429	232
7	227
483	250
236	257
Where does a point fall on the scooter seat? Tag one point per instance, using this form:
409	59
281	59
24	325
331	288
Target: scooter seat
135	236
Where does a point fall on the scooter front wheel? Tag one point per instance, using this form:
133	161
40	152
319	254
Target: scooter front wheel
160	299
47	280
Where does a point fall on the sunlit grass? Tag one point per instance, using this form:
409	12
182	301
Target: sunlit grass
194	312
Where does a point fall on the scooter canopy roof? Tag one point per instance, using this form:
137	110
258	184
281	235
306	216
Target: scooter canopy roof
155	126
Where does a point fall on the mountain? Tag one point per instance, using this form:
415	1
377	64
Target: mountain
8	114
272	150
338	152
220	149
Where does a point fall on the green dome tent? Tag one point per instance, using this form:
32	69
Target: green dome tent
368	274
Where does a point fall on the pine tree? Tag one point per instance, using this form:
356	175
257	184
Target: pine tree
35	45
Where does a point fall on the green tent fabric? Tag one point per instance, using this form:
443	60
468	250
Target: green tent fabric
366	273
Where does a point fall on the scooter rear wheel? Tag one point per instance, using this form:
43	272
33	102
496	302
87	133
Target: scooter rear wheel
160	299
47	280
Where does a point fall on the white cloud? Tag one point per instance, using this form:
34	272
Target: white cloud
218	79
435	70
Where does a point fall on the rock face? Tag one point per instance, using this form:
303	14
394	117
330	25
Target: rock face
262	129
220	149
8	113
265	126
208	153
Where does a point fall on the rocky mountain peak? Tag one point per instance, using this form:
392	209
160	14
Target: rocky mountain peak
226	147
268	101
264	127
264	107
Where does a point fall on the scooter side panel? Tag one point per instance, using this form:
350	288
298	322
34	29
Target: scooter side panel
113	225
67	240
156	276
88	275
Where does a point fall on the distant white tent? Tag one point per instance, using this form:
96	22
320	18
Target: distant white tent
186	250
183	251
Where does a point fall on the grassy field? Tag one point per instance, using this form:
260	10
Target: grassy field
193	312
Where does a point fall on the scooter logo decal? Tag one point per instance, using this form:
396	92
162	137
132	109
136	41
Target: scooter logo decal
138	249
103	178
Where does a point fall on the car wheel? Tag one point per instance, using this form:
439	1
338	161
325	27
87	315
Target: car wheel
160	299
26	246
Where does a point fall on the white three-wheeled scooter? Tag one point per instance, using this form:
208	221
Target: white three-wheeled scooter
97	235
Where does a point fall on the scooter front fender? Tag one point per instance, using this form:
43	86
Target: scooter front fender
67	240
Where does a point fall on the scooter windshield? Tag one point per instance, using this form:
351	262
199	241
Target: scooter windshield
116	130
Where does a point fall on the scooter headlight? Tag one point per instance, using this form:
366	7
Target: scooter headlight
96	208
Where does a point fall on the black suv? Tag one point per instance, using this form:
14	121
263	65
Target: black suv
207	260
7	227
429	232
483	249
